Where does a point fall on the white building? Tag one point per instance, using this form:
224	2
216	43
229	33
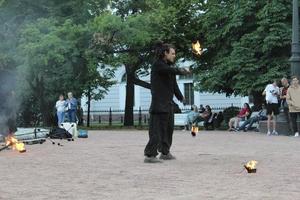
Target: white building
115	98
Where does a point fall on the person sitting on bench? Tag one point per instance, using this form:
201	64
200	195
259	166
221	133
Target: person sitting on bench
191	116
247	125
244	114
205	116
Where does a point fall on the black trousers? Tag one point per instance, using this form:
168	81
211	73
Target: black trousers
161	127
294	116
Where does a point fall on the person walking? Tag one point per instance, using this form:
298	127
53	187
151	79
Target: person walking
163	88
60	109
293	100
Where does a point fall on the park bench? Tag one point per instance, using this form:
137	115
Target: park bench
180	120
255	125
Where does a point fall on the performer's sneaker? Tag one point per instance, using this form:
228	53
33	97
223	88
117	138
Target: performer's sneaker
274	132
268	133
296	134
151	160
169	156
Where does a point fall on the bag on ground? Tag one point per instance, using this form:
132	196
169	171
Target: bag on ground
59	133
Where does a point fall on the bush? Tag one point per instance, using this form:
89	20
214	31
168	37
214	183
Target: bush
230	112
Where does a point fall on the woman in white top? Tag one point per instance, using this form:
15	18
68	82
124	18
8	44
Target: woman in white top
60	109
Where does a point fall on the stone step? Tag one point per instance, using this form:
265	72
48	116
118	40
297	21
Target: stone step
282	126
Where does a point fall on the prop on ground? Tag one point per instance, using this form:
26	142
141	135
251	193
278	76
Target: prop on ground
251	166
194	130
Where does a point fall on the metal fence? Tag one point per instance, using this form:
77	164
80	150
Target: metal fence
114	117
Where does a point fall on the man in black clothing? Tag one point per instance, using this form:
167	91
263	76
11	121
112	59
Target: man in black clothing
163	88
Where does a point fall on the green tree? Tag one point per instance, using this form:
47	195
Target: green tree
248	45
55	61
127	37
42	54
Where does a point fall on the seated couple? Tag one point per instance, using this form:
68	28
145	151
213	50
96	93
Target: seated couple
244	114
204	116
247	125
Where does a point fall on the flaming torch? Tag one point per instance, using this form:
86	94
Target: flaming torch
251	166
197	48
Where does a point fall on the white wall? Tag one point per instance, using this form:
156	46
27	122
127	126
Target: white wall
115	97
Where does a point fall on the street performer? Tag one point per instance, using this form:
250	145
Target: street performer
163	88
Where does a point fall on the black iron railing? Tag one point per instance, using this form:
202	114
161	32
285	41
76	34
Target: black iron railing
141	116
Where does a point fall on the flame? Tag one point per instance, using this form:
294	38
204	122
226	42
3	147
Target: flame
251	164
197	48
194	130
16	145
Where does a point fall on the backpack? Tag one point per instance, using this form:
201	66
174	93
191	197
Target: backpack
59	133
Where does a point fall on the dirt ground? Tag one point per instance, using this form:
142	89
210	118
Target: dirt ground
109	165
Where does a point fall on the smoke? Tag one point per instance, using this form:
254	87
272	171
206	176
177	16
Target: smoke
7	102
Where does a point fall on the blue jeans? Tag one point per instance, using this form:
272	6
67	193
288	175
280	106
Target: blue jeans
60	117
72	115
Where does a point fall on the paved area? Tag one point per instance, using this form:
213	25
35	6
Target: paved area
109	165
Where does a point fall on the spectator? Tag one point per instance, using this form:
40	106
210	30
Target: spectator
219	119
203	116
192	115
293	100
60	109
243	114
247	125
272	94
283	103
201	109
72	107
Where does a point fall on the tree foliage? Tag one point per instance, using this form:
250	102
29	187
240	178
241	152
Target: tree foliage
128	36
49	42
60	46
248	45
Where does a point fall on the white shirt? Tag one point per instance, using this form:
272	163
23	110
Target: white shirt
272	93
60	105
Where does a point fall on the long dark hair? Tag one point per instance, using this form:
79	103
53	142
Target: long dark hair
248	106
208	108
161	48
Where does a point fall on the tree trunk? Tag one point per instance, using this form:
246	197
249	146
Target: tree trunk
89	108
43	105
46	107
258	100
129	103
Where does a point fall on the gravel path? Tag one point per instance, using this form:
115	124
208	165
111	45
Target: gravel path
109	165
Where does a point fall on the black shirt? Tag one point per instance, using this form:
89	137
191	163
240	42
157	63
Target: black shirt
164	86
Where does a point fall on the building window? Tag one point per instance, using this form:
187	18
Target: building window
189	93
186	77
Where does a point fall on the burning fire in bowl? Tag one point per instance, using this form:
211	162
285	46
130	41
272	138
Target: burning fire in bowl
251	166
11	141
